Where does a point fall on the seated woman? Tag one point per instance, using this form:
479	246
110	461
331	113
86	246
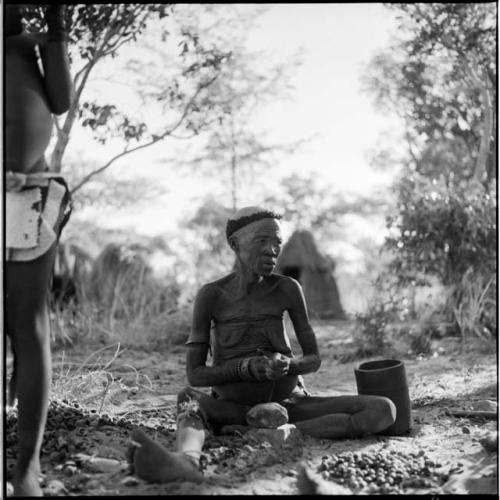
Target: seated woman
252	359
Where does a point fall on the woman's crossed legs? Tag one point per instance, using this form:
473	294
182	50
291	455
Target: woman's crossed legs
333	417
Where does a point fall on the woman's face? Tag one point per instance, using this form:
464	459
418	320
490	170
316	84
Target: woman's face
258	246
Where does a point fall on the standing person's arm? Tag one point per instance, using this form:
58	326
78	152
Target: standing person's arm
55	60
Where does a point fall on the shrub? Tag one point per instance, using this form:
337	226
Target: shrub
447	230
420	341
443	229
149	327
476	312
370	335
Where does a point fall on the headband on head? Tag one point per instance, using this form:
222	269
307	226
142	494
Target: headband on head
235	224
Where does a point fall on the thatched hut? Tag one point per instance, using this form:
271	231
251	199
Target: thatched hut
123	283
301	260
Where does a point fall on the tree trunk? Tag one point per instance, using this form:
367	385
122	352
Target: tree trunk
234	187
63	134
484	148
63	139
233	182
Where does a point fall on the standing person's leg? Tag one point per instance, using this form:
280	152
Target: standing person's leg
195	413
27	321
341	416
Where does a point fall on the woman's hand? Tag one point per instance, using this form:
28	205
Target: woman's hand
258	366
269	368
278	366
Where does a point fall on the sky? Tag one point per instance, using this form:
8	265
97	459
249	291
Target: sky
337	41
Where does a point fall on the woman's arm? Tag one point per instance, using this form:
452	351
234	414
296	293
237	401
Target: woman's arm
55	60
310	360
198	373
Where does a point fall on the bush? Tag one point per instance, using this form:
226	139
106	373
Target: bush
448	230
443	229
420	341
476	312
149	327
370	335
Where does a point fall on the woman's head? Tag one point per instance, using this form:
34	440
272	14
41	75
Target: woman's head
254	234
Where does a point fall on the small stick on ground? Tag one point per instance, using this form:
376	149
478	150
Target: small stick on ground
472	413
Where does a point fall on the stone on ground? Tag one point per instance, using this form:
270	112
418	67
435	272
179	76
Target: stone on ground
490	442
284	435
267	415
55	488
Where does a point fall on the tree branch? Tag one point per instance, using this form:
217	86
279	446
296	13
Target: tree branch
55	120
154	140
80	73
183	138
119	33
201	86
410	150
116	47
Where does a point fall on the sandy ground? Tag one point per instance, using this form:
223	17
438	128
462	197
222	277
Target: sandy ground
88	456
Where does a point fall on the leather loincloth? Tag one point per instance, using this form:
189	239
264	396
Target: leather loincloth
37	206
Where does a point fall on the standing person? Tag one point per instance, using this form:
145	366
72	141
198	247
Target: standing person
37	85
252	359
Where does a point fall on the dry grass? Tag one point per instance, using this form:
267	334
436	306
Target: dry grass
139	316
91	382
476	303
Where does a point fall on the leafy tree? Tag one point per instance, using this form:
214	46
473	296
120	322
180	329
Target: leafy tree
440	76
448	230
239	150
315	204
246	84
209	220
98	32
443	230
210	253
212	84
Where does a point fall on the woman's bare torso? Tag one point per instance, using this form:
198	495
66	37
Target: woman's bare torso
28	119
243	325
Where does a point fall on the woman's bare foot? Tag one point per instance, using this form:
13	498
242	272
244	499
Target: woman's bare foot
153	463
27	484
